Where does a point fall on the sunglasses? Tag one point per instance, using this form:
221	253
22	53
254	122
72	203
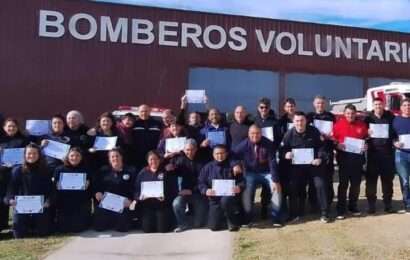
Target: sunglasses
263	107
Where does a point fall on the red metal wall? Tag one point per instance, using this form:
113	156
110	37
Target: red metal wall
42	76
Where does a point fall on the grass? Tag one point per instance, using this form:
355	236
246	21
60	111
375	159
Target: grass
369	237
29	249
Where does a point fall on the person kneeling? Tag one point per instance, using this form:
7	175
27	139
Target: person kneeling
221	180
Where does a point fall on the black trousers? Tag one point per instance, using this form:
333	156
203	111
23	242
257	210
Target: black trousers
223	212
380	164
73	220
350	173
155	216
106	220
4	215
299	179
31	224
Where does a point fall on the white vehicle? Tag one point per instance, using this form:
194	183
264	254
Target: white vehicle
122	110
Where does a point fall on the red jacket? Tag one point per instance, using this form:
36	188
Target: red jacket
342	128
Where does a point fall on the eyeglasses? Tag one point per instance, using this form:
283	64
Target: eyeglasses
263	107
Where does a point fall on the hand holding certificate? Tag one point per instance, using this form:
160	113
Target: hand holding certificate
105	143
405	140
174	145
29	204
216	137
56	150
302	156
268	133
223	187
379	130
38	127
12	156
324	127
113	202
72	181
195	96
354	145
152	189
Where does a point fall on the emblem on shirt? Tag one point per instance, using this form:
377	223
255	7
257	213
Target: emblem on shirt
126	177
160	176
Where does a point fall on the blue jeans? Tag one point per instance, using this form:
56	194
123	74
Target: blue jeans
199	205
253	181
402	160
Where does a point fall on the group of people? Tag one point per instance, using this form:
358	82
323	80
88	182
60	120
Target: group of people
291	158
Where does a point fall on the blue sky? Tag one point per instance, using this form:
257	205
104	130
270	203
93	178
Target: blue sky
393	15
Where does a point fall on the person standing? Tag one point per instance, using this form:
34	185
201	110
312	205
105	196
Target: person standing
380	156
401	125
239	127
350	161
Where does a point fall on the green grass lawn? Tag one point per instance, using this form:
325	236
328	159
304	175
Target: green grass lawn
31	248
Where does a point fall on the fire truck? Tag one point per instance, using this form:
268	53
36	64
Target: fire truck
391	94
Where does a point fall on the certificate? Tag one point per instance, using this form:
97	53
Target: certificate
56	149
12	156
113	202
353	145
268	133
223	187
102	143
405	140
38	127
195	96
72	181
324	127
290	126
216	137
379	130
302	156
173	145
152	189
29	204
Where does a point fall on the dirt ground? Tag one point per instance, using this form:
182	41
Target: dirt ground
380	236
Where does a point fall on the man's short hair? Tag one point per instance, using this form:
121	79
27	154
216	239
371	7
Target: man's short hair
265	101
377	99
320	97
404	101
300	113
350	107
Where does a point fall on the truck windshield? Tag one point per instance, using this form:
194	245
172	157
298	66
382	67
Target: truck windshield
393	102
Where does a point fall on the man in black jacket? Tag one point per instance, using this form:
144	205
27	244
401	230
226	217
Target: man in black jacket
238	129
380	156
303	147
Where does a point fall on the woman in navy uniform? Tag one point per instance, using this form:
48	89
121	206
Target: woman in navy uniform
11	137
57	135
155	211
222	209
31	178
105	127
116	178
76	130
73	206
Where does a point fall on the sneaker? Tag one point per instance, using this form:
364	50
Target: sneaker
340	216
180	229
355	212
249	225
233	228
324	219
407	210
277	224
389	210
293	220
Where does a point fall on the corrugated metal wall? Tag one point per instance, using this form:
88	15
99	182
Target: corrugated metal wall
41	76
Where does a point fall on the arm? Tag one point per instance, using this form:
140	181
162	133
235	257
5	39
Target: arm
203	181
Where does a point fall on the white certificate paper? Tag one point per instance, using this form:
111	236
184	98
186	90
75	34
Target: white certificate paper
29	204
56	149
302	156
223	187
353	145
152	189
72	181
12	156
379	130
173	145
38	127
195	96
103	143
405	140
324	127
216	137
268	133
113	202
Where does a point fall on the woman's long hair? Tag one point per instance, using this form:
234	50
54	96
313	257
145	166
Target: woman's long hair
107	115
15	121
74	149
39	165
